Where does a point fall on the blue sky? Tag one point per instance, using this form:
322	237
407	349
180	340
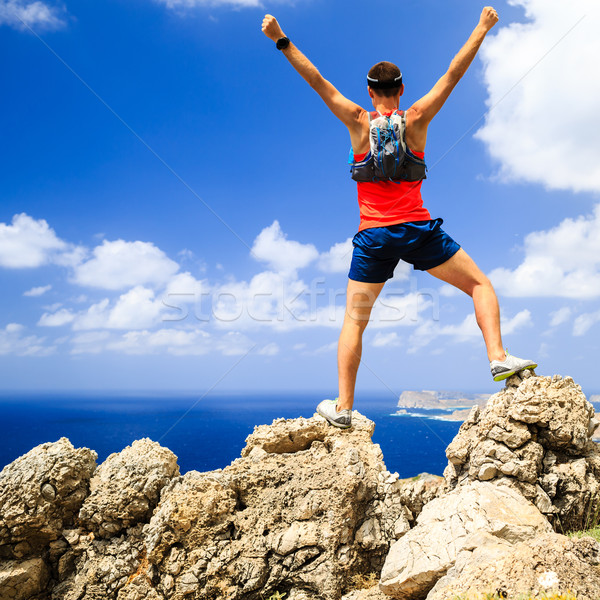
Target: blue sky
176	207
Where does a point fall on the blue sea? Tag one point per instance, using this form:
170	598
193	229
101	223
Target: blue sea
206	432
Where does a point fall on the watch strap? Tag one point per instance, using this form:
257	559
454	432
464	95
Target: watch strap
282	43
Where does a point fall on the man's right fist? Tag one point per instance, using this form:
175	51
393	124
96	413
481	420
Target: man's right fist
489	17
271	28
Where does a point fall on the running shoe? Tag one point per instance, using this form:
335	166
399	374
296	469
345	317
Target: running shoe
328	410
509	366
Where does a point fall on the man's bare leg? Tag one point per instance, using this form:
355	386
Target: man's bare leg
462	272
360	298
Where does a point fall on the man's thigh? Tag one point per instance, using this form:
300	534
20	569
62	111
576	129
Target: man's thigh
460	271
360	297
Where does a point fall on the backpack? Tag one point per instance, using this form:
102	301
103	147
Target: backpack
388	158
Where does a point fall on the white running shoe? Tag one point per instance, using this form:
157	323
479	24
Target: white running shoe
509	366
328	410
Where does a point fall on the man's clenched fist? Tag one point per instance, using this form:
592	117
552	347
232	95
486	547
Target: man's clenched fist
271	28
489	17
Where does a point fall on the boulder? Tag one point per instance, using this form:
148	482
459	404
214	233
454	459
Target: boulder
473	515
535	435
548	564
23	580
41	493
126	487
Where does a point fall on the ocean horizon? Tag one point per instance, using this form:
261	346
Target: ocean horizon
208	432
205	432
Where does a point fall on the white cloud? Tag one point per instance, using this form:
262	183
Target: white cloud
186	4
28	243
120	264
560	316
95	317
56	319
382	340
136	309
174	341
14	341
561	262
545	130
268	299
585	322
338	258
281	254
37	291
270	349
20	14
465	331
234	343
89	342
184	287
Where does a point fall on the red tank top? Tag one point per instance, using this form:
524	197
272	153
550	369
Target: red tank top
384	203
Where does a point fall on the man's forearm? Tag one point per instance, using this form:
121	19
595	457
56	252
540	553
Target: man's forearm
461	62
305	68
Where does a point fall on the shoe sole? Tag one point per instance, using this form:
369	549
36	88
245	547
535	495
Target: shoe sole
338	425
508	374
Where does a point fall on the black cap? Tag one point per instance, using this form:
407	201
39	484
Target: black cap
388	84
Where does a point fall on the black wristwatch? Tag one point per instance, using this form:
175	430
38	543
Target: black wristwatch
282	43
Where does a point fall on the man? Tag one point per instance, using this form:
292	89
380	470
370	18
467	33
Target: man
394	224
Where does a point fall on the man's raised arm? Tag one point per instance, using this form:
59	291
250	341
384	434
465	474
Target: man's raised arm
422	111
347	111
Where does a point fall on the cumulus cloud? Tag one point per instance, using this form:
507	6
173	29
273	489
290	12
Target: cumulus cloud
20	14
120	264
135	309
187	4
15	341
270	349
381	340
282	255
177	342
560	316
37	291
174	341
28	243
337	259
544	130
465	331
561	262
56	319
584	322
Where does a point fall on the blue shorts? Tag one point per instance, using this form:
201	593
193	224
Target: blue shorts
377	250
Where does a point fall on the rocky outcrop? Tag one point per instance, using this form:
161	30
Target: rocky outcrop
550	563
40	495
535	435
311	511
305	508
125	489
472	515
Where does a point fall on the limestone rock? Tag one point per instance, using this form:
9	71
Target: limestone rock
40	494
96	569
23	580
125	488
534	435
416	492
472	515
550	563
372	593
306	507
